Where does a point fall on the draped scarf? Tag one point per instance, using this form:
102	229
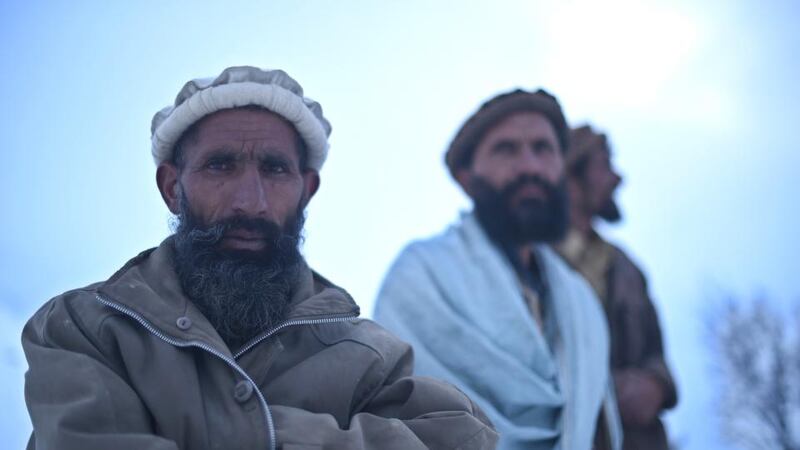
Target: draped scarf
456	299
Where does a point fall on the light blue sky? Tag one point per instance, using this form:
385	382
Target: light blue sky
700	101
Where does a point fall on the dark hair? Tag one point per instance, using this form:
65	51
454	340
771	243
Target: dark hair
190	136
461	150
577	169
585	141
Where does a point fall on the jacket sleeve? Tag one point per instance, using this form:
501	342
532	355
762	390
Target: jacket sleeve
638	331
75	399
654	361
403	413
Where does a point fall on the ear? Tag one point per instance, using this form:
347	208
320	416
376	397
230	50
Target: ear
310	184
167	180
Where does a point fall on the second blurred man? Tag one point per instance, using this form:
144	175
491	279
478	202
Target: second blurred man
490	307
643	381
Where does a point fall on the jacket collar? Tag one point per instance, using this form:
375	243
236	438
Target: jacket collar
148	286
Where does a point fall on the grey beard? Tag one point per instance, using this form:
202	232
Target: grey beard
241	293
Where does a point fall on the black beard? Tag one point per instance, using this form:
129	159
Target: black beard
531	221
242	293
610	212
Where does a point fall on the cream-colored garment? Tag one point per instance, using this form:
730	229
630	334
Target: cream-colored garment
591	256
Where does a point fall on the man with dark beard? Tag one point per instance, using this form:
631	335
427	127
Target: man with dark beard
643	381
490	307
223	337
241	292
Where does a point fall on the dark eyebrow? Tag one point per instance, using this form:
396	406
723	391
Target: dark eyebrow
277	158
273	158
223	154
541	142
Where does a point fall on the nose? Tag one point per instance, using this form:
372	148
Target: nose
529	163
618	179
250	195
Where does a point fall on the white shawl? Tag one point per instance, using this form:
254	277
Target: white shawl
456	299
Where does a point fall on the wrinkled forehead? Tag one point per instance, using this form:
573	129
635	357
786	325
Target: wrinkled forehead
244	123
242	128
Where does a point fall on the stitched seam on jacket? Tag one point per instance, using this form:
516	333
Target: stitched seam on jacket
347	339
472	438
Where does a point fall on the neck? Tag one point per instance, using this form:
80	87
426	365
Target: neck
581	221
523	252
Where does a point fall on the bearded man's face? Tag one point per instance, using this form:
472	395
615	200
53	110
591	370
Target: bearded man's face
598	184
238	185
241	292
516	180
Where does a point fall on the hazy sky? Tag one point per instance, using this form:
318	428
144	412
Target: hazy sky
700	101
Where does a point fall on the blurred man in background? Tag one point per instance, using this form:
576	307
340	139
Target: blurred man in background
489	306
644	385
222	337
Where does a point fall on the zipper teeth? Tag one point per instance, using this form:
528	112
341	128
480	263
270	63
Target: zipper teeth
290	323
232	363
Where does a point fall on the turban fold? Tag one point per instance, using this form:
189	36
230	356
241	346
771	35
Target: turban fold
236	87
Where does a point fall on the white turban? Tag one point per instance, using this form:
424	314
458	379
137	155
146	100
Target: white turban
236	87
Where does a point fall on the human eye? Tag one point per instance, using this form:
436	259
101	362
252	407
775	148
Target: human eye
542	147
278	168
275	166
220	163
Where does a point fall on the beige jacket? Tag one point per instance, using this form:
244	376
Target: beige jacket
130	363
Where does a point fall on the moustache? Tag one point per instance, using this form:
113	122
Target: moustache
216	232
527	180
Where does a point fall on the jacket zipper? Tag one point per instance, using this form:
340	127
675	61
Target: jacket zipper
289	323
229	361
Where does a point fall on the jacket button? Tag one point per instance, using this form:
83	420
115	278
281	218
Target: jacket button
243	391
184	323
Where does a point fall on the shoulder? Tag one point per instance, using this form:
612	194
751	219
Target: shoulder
455	238
416	259
439	244
71	317
462	242
417	274
74	314
624	267
622	259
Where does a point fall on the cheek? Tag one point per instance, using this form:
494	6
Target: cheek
496	173
554	170
285	196
207	198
